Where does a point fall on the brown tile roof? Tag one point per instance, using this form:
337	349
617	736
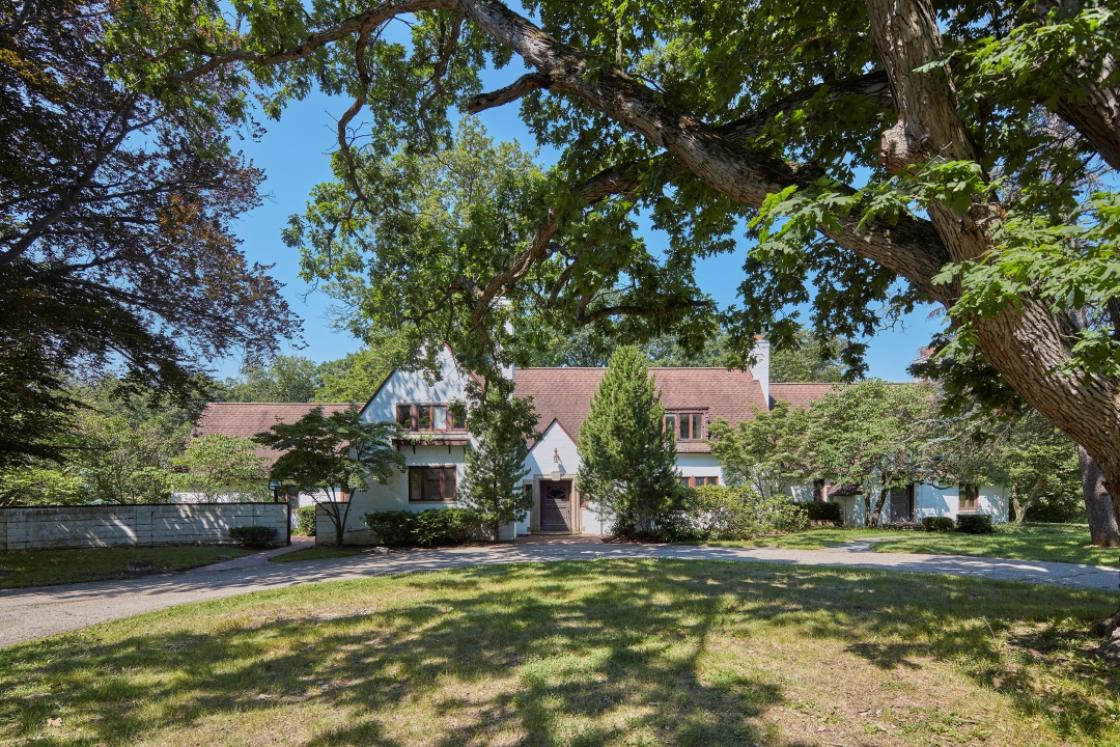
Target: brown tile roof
247	419
564	394
800	396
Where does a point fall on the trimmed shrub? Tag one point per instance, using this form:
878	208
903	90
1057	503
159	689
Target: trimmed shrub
431	528
975	523
253	536
392	528
937	524
722	512
305	520
823	511
446	526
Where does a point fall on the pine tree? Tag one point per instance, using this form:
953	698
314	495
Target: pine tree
628	464
501	426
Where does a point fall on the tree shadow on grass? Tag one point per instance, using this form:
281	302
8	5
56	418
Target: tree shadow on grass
546	654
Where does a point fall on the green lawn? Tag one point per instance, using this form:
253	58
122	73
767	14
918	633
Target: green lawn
1067	543
594	652
42	567
318	552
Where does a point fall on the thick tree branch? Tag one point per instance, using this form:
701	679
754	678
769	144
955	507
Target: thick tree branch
910	247
874	87
525	84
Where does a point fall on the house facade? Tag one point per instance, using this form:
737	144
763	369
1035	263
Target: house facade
434	445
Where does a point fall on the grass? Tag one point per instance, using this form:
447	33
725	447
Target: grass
22	568
318	552
583	653
1067	543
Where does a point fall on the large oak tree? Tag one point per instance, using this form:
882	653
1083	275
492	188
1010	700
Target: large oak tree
896	151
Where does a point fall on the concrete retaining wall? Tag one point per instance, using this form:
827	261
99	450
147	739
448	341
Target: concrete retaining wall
43	527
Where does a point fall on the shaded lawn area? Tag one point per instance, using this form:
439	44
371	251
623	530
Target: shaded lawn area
592	652
1066	543
43	567
318	552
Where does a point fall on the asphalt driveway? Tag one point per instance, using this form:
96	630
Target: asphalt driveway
30	613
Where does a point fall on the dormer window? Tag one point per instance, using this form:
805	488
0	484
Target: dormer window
685	425
426	417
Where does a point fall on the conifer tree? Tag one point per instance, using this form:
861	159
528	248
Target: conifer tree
628	464
501	426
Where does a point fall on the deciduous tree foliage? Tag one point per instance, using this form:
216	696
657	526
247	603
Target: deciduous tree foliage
324	455
218	465
116	250
769	451
876	436
627	463
502	427
882	153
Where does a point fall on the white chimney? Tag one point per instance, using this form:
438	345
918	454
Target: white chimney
760	369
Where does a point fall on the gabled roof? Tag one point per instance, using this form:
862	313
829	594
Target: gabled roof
564	394
801	395
247	419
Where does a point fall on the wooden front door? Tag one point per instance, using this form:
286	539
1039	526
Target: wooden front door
902	503
556	505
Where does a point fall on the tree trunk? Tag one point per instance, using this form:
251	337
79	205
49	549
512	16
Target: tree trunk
1029	344
867	509
879	503
1017	507
1099	506
1091	102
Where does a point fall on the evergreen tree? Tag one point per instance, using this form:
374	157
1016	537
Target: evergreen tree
502	426
628	465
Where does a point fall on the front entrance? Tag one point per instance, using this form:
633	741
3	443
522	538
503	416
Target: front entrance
556	505
902	503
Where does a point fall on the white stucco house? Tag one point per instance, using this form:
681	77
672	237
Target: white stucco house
434	445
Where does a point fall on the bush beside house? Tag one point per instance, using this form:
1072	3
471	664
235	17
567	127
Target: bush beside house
937	524
975	523
722	512
305	521
432	528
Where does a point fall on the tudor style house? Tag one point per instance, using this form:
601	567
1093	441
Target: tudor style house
434	444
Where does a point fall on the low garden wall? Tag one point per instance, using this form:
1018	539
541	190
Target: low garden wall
42	527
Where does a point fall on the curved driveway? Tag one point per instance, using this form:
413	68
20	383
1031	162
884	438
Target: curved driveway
31	613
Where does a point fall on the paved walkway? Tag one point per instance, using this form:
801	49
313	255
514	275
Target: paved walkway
31	613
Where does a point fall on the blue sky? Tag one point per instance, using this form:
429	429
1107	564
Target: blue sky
294	154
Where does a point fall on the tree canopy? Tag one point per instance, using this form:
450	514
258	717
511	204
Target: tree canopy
116	208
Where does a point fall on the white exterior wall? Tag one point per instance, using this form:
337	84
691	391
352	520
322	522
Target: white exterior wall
555	456
393	495
699	465
930	500
415	386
